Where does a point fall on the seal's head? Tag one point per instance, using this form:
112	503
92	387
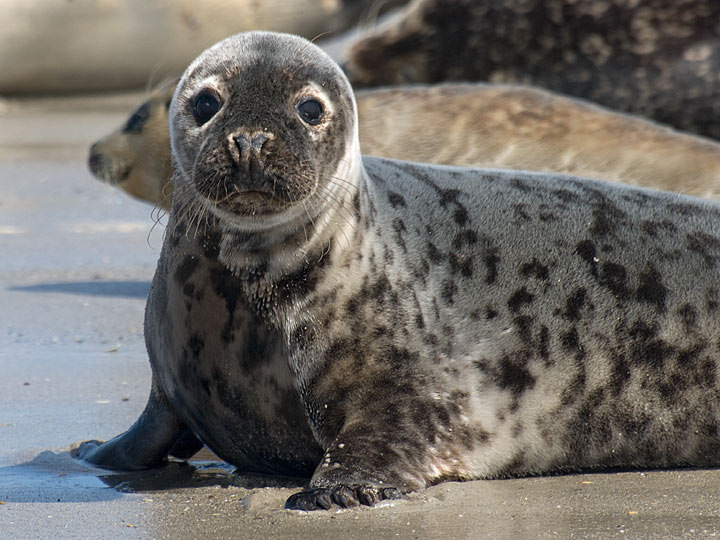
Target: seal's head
136	157
260	124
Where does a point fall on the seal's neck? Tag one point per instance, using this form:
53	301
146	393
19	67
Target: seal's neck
328	225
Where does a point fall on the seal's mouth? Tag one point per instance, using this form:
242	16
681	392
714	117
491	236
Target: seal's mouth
108	170
253	195
251	202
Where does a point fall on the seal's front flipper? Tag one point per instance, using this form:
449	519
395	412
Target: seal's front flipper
146	444
342	495
363	466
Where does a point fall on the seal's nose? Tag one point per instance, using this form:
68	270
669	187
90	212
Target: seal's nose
254	142
95	160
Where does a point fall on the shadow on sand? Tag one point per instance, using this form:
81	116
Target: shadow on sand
121	289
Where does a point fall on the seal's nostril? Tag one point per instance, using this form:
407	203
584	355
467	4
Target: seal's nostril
244	142
258	140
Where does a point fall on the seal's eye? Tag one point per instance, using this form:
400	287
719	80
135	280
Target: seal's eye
138	119
310	110
207	104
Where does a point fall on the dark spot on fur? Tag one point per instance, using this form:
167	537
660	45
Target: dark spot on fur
189	290
571	340
705	245
299	284
603	221
688	314
356	206
520	213
434	254
520	185
209	241
186	269
523	323
574	304
614	277
620	375
196	344
396	199
449	196
712	300
519	298
513	375
544	344
227	287
566	195
460	264
586	251
399	228
491	261
653	228
460	215
534	269
646	348
448	290
464	237
651	289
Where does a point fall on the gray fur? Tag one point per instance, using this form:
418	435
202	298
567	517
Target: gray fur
435	323
655	58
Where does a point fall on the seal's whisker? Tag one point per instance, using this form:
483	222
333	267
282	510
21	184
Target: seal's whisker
339	202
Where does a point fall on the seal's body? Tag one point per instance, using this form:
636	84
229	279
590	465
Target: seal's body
433	323
655	58
482	125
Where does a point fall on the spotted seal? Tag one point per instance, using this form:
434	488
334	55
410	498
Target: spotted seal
483	125
392	325
656	58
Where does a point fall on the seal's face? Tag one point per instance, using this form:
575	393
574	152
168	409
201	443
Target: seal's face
260	125
136	157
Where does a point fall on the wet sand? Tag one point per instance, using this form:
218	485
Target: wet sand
78	260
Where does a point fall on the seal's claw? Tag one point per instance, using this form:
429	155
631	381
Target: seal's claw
344	496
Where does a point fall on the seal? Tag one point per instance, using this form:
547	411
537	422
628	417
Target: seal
656	58
434	323
136	157
482	125
120	46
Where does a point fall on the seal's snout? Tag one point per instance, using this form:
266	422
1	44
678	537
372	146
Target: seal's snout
249	151
95	160
249	144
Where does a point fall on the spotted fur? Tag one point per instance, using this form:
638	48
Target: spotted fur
656	58
415	323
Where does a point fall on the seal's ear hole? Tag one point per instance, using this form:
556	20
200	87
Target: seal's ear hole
206	105
310	111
